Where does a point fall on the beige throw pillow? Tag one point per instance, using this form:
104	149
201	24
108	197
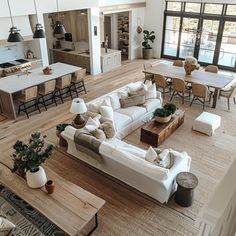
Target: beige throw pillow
134	100
99	134
165	159
108	129
137	92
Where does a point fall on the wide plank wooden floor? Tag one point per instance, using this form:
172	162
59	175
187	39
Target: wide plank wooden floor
127	212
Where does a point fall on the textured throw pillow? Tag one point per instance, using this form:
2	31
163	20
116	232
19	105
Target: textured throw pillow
132	101
139	92
5	226
151	155
107	112
150	92
115	101
165	159
108	129
123	94
99	134
95	107
92	124
90	114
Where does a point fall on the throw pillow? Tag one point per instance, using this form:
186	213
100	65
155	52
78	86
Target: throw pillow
92	124
5	226
94	107
123	94
107	112
135	86
99	134
106	102
150	92
88	114
151	155
132	101
139	92
108	129
115	101
165	159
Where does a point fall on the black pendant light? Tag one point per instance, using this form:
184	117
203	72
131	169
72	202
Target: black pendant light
39	32
14	35
59	27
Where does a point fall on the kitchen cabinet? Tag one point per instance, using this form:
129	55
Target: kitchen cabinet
110	60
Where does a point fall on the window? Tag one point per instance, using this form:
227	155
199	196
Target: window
231	10
174	6
171	35
213	8
192	7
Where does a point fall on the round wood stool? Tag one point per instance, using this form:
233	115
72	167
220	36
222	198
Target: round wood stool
187	182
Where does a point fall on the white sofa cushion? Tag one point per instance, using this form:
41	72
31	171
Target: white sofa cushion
135	86
151	155
134	112
115	100
121	120
150	92
95	107
107	112
92	124
207	123
152	104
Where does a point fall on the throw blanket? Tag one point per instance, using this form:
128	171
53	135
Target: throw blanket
85	139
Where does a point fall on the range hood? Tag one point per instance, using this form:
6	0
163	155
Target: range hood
22	23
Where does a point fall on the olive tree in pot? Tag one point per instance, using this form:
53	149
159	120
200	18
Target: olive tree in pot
28	158
148	38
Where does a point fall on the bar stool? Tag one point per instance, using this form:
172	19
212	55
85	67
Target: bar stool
28	96
63	83
46	93
77	82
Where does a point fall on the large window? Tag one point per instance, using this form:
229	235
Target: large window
203	30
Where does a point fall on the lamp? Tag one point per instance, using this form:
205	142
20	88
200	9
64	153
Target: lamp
39	32
78	107
14	35
59	27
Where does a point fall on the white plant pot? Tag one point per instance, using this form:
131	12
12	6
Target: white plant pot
36	179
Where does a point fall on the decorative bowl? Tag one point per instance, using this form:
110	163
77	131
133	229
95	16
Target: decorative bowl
162	120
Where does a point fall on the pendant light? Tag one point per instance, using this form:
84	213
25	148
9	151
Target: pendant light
14	35
59	27
39	32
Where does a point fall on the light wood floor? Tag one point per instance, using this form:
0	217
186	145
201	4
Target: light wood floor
126	212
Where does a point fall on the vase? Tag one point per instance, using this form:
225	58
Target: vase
189	68
50	186
36	179
162	120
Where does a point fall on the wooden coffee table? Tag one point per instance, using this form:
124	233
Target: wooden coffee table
155	133
70	207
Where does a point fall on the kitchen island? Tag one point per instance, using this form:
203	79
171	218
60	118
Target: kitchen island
11	85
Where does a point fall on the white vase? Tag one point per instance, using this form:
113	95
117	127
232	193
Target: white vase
36	179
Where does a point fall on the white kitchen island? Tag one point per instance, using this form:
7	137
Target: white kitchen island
14	84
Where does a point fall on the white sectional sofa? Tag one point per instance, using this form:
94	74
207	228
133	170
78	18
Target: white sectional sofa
127	162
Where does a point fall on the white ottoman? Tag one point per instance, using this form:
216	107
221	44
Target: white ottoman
207	123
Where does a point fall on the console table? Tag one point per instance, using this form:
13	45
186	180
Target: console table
70	207
155	133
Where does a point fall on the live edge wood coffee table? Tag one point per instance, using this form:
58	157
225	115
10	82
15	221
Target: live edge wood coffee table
70	207
155	133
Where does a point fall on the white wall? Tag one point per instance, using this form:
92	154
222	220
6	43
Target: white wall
136	17
103	3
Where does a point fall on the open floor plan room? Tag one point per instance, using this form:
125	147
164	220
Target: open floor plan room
114	124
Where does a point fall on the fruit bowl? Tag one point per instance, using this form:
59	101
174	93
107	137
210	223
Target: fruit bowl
47	70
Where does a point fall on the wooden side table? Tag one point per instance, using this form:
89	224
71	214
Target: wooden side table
187	182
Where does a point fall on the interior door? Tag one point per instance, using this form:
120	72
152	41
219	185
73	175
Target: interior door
207	41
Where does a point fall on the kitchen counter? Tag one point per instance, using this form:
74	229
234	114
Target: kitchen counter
74	52
109	51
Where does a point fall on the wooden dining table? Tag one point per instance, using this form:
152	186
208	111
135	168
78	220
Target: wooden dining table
213	80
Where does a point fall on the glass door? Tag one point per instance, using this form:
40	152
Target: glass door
189	35
207	41
227	54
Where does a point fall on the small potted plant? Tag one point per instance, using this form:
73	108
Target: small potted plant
60	128
190	65
28	158
148	38
163	115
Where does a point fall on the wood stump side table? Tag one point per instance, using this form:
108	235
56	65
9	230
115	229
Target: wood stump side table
187	182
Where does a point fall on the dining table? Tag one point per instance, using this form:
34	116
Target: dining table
11	86
216	81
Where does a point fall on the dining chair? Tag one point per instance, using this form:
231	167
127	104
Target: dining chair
212	69
46	93
229	93
201	93
163	83
28	97
63	87
180	89
77	82
178	63
147	65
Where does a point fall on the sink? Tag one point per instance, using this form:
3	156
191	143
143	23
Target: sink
67	50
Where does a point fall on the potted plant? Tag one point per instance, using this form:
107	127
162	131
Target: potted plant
28	158
163	115
148	38
60	128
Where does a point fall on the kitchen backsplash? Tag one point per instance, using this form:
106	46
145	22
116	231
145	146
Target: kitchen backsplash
11	52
